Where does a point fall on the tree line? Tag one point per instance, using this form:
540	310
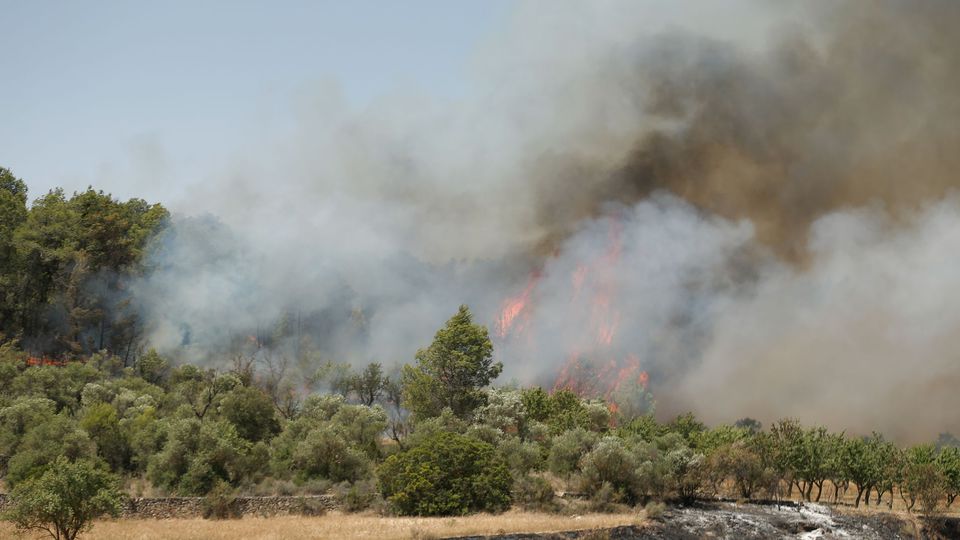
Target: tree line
65	262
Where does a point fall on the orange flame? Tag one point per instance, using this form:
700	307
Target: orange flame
592	369
515	307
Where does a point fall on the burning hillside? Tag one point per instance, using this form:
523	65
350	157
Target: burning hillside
717	209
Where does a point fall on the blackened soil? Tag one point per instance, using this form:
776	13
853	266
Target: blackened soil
759	521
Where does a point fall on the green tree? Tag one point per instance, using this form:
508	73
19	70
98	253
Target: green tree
152	367
949	462
64	499
370	384
100	421
251	412
448	474
610	462
923	481
452	371
58	436
13	212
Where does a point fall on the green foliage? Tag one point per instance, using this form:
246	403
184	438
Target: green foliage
687	426
568	448
251	412
64	262
610	462
923	481
59	436
948	460
221	502
101	423
357	496
323	453
64	499
152	367
521	457
330	440
370	384
198	454
504	411
452	371
645	427
448	474
534	493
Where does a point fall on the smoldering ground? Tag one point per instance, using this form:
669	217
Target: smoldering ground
784	199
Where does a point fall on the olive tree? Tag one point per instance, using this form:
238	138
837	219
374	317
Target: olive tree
64	499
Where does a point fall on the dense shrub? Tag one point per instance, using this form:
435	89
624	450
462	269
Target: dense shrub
251	412
447	474
567	449
534	493
357	496
611	463
323	453
521	457
221	502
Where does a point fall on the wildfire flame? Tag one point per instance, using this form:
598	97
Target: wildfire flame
514	307
593	369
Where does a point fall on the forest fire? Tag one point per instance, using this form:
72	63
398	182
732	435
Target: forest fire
594	368
514	307
44	361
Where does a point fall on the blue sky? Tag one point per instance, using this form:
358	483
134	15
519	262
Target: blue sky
90	87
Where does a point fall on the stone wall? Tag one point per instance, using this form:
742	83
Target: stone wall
192	507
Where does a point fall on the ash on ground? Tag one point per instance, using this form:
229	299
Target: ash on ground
807	521
727	520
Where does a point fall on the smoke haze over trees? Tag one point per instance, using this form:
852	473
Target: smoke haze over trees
777	185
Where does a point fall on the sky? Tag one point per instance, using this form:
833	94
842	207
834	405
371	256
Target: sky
99	92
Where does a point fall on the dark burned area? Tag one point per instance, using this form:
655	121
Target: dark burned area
761	521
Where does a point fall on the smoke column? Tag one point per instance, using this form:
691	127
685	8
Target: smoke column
781	179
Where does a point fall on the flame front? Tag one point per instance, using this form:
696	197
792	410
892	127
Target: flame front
514	308
593	367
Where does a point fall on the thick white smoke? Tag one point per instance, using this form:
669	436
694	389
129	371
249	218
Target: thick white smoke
761	271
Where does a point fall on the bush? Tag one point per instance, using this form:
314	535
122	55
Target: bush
358	496
654	510
605	498
251	412
309	506
534	493
323	453
64	499
609	464
221	502
521	457
567	449
448	474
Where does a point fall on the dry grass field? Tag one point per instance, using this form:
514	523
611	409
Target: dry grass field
345	526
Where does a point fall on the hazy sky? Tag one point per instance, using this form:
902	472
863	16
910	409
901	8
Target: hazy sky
96	92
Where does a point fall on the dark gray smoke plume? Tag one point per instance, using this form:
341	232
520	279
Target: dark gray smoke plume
775	182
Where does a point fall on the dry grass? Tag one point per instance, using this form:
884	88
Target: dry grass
346	526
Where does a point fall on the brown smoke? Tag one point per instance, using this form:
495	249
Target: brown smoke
863	111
